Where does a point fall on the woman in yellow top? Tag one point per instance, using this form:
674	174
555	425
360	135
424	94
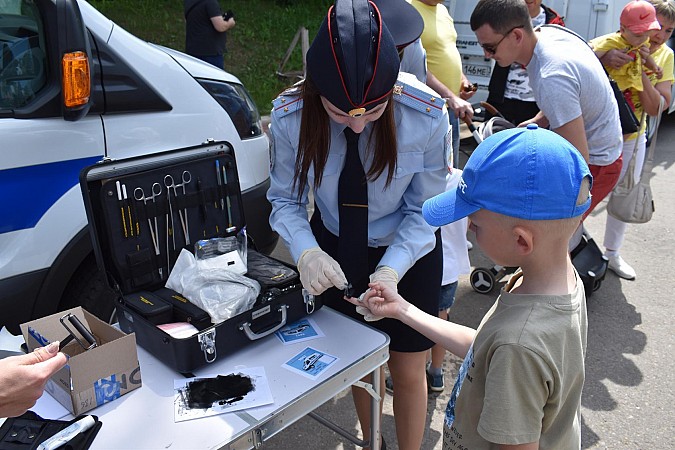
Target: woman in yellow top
648	99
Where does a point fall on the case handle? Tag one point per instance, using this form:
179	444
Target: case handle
252	335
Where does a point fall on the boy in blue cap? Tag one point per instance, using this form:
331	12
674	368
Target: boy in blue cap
525	191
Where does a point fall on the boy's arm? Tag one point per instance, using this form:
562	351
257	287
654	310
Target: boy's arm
651	65
455	338
383	301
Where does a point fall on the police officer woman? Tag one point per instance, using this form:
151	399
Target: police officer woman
373	146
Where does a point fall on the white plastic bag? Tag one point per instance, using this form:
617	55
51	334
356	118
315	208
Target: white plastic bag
218	291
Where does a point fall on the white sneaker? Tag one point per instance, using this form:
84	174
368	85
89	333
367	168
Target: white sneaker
621	267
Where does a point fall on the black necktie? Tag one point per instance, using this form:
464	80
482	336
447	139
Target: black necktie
353	208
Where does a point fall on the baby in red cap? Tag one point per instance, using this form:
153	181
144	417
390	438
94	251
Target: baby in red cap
638	23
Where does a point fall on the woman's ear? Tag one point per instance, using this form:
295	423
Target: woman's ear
524	238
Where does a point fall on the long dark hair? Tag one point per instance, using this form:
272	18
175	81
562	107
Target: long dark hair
314	141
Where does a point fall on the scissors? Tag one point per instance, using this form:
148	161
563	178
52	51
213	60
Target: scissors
186	177
140	196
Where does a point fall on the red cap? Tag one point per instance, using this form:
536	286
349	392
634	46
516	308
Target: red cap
639	16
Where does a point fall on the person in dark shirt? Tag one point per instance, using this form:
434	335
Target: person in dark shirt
206	30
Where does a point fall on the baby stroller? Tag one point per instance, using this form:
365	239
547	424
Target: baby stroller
586	257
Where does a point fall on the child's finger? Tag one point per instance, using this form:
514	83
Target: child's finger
353	300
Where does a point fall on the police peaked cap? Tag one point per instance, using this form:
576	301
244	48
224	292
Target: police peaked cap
403	21
353	61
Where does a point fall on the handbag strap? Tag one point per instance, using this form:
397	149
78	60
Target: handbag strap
628	180
649	157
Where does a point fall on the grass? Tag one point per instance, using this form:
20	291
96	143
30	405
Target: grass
256	45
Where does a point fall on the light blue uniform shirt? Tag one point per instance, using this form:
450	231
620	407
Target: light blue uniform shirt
395	213
414	60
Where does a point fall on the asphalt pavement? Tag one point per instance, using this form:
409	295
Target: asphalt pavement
628	395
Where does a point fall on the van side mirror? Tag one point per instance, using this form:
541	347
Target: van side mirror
75	54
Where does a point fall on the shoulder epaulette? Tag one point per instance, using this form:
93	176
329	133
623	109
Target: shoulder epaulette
287	102
418	99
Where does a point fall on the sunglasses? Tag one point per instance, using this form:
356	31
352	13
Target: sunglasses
491	49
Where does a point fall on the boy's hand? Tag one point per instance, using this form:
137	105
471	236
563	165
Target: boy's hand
644	52
364	311
380	301
384	275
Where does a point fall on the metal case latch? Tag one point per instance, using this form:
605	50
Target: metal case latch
207	342
309	301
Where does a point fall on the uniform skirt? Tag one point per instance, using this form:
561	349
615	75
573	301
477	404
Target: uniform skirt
420	286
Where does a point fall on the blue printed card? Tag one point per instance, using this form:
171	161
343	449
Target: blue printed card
310	363
302	330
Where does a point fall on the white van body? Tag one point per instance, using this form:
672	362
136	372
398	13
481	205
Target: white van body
589	18
146	99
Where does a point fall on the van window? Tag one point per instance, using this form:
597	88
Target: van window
239	106
23	62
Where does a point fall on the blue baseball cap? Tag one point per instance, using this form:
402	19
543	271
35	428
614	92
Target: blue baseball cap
528	173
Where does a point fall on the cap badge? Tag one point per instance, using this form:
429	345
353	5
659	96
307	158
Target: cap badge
357	112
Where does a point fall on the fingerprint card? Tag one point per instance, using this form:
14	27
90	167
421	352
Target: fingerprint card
208	396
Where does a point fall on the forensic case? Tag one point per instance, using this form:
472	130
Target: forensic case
143	212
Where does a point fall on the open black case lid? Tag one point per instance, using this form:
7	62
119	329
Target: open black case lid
142	211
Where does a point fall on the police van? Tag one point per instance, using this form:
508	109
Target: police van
589	18
76	88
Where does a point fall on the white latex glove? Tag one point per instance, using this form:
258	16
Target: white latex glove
367	315
386	275
318	271
383	274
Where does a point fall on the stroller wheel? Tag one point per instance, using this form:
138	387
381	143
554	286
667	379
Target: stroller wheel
482	280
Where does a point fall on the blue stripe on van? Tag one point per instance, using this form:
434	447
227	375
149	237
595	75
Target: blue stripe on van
28	192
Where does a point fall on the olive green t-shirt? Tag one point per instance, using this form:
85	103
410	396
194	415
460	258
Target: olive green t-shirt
522	378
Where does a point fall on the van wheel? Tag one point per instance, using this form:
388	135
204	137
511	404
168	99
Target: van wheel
88	289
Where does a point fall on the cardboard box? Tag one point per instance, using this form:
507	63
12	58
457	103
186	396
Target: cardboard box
92	377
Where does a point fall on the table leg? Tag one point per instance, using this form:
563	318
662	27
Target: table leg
373	389
375	416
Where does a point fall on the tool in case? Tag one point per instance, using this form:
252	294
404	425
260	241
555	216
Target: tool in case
143	212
